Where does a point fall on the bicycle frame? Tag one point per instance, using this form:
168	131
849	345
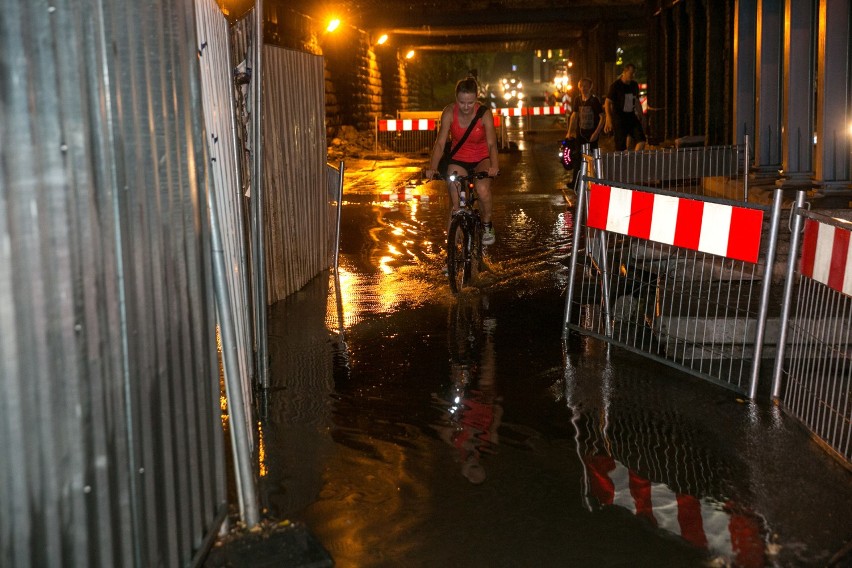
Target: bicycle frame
464	239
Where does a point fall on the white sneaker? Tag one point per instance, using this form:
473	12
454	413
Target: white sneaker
488	236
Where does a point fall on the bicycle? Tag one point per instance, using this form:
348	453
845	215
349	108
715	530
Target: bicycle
464	240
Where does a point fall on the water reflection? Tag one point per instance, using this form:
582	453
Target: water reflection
653	467
472	408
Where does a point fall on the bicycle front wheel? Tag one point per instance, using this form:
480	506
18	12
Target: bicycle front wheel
459	241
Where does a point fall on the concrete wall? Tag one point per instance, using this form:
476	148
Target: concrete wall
362	81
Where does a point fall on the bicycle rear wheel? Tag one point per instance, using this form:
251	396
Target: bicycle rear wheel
459	242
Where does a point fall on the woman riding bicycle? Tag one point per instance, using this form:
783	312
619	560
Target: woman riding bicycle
478	153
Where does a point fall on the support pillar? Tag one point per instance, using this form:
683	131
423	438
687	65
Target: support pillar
833	105
745	49
695	14
797	127
682	64
718	77
767	130
670	112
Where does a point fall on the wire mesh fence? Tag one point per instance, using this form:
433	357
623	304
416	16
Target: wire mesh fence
709	170
679	280
816	361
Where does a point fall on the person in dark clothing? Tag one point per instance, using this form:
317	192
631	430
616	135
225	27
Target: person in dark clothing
623	110
585	124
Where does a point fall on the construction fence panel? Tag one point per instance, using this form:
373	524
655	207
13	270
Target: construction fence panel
334	177
678	279
217	89
111	427
813	378
294	162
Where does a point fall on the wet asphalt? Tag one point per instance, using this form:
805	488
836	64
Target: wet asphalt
408	426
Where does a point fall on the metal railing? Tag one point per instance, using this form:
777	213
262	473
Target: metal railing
719	171
812	378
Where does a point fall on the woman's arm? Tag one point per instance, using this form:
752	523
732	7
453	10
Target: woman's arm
440	141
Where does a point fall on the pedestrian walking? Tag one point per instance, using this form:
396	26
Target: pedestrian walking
623	111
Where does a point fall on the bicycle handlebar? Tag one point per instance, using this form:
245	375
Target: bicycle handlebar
456	177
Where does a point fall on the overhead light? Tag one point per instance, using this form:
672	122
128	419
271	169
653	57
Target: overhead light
333	25
382	39
410	54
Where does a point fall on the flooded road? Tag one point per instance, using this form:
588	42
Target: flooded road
407	426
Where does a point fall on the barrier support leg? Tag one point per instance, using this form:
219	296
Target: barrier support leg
764	294
795	239
579	222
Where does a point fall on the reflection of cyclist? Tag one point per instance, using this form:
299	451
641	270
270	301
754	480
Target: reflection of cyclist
474	411
478	153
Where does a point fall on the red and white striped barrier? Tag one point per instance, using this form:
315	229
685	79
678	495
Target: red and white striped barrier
533	111
713	228
546	111
406	125
705	523
827	256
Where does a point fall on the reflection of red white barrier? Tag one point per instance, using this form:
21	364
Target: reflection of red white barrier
702	522
404	193
406	125
514	111
827	256
714	228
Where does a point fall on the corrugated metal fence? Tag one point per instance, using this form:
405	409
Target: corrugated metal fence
295	180
110	431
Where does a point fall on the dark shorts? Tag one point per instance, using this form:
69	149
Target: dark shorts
470	167
627	124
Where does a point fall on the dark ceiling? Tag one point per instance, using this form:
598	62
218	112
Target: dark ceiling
481	25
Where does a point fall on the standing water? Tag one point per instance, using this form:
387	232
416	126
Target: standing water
407	426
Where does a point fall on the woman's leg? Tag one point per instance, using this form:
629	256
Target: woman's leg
453	190
483	189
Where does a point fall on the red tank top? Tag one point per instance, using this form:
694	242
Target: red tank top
475	148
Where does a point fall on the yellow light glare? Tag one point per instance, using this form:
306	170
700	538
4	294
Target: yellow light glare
333	25
410	54
383	39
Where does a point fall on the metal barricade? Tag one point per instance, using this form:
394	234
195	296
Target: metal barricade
678	279
407	136
814	358
719	171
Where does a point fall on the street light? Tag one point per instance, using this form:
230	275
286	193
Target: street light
333	24
410	54
382	39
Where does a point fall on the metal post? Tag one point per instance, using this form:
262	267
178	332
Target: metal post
257	201
579	222
746	162
764	294
233	385
376	130
337	228
245	255
603	261
795	238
